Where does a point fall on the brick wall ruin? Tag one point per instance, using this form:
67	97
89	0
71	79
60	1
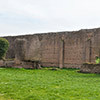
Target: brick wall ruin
59	49
90	68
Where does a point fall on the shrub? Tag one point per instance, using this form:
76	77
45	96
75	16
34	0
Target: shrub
4	44
97	60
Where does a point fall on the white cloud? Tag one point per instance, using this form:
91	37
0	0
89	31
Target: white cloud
22	16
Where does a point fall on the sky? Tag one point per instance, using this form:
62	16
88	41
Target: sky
18	17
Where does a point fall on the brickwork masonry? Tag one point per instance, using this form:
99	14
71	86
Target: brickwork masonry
58	49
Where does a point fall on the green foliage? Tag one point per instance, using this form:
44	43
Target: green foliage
4	44
97	60
65	84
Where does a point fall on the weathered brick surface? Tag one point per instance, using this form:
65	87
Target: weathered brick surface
60	49
90	68
1	63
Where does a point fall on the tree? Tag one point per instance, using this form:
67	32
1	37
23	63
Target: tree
4	44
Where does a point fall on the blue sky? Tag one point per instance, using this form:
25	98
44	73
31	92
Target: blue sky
18	17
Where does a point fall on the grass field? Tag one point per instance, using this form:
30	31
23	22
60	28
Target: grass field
45	84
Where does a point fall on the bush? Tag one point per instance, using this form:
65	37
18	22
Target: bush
4	44
97	60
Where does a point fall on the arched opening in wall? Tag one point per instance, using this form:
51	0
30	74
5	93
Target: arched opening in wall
92	49
97	46
88	51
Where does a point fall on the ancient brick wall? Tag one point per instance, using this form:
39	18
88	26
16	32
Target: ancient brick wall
60	49
90	68
73	50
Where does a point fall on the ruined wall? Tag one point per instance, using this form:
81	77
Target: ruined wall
73	50
60	49
90	68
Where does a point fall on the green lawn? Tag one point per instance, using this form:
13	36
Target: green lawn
45	84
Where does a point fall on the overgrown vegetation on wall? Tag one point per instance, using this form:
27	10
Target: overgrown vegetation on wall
4	44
